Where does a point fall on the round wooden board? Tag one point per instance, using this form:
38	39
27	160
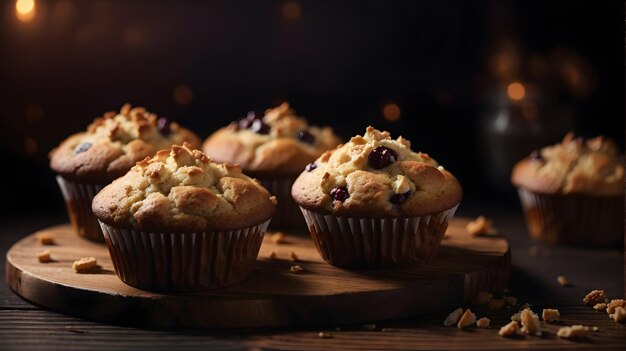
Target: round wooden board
271	296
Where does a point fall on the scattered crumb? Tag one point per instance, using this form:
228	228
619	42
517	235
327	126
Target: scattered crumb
467	319
510	300
510	329
530	322
295	269
386	329
595	329
483	322
495	304
324	335
600	307
294	257
481	298
575	331
272	255
562	281
44	256
550	315
278	238
453	317
517	317
611	306
84	264
480	226
369	326
45	239
533	250
594	297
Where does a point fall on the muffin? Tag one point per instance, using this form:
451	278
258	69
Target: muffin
573	193
375	203
181	222
274	148
87	161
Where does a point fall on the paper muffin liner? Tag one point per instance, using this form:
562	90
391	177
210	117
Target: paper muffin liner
377	242
78	198
183	261
573	219
288	215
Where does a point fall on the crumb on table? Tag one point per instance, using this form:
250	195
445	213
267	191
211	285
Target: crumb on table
594	297
84	264
44	256
550	315
294	256
575	331
324	335
278	238
510	329
483	322
480	226
453	317
562	281
611	306
468	318
619	315
295	269
600	307
530	322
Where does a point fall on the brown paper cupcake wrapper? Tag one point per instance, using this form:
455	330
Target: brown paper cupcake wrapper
573	219
183	261
288	215
377	243
78	198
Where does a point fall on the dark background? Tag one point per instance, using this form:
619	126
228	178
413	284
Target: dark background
445	64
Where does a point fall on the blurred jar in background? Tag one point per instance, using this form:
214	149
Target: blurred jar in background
518	119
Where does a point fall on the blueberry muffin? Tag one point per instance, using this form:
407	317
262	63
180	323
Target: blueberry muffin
275	148
573	192
180	222
374	202
112	144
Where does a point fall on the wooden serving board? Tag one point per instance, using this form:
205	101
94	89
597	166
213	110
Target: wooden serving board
271	296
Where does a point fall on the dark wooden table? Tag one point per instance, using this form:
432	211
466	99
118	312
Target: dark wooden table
28	327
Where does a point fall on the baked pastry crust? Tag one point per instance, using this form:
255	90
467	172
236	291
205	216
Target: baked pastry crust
432	188
117	141
278	153
182	190
574	166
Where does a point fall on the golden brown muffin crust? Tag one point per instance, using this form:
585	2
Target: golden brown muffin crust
430	188
574	166
279	152
112	144
182	190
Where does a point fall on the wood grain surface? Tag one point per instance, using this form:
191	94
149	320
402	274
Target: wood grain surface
271	296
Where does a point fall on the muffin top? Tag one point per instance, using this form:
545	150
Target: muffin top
182	190
276	144
113	143
575	166
378	177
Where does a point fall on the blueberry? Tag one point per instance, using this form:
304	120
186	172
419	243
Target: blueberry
340	194
399	198
82	148
382	157
260	127
310	167
306	137
535	156
163	125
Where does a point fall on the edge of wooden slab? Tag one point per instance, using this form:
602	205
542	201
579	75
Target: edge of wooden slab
219	311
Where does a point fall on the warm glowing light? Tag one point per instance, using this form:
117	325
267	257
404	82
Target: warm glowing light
292	10
183	94
25	10
391	112
516	91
